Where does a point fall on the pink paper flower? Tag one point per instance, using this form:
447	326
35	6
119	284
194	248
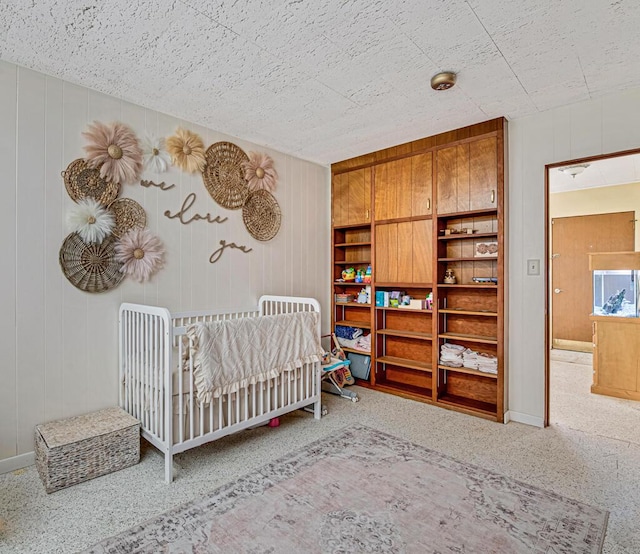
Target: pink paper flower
115	150
141	254
259	172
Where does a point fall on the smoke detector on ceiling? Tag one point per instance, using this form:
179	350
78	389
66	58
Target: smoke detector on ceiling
443	81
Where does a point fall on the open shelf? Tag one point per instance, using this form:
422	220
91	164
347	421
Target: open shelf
468	371
357	324
472	213
407	310
469	286
469	404
404	285
460	311
469	338
356	351
353	304
421	394
467	236
404	362
363	225
470	259
349	284
343	244
356	262
405	334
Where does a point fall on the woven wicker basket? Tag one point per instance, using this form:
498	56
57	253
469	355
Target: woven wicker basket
223	175
261	215
69	451
81	181
128	215
90	267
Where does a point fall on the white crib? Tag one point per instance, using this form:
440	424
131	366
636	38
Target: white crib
159	390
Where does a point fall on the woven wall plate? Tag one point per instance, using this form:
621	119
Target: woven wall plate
223	175
81	181
128	215
90	267
261	215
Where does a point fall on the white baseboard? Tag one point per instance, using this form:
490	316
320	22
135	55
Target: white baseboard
523	418
17	462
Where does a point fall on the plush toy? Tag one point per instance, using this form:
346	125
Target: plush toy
349	274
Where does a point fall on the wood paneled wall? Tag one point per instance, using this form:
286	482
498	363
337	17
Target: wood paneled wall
59	345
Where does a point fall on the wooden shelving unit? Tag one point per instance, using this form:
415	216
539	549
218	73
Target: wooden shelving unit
390	210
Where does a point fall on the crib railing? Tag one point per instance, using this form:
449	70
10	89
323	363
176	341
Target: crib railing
158	386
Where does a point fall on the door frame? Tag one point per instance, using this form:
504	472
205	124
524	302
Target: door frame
547	260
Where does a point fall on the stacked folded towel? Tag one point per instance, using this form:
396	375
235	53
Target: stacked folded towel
455	355
480	361
349	333
451	354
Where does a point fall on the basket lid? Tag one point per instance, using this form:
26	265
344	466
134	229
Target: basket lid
79	428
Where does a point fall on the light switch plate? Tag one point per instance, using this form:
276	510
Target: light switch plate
533	267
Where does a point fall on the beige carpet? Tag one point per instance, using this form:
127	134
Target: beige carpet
367	491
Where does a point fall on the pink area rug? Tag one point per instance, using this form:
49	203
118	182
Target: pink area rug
367	491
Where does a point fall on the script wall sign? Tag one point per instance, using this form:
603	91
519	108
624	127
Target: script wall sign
161	186
186	205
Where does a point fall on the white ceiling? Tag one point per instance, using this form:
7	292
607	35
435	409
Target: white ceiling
328	80
619	170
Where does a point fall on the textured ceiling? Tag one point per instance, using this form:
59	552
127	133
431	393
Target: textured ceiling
328	80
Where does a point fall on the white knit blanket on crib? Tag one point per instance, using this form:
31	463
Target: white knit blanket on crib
230	355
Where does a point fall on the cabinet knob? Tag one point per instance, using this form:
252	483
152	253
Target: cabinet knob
493	196
428	203
366	215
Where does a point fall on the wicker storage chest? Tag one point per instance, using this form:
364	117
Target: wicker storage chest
69	451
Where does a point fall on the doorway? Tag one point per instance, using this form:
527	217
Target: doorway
591	206
573	238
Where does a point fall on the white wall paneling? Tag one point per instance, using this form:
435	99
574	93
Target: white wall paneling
59	345
601	126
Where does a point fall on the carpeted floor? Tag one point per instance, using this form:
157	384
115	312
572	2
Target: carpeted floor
367	491
599	468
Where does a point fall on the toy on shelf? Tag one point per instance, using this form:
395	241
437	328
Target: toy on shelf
368	276
359	276
349	274
363	297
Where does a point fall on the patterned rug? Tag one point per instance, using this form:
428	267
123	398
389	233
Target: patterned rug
367	491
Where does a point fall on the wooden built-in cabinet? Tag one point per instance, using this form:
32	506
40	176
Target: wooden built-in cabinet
421	193
352	198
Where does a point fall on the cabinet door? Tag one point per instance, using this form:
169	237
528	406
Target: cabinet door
403	187
452	179
359	196
483	173
340	203
421	184
422	252
384	192
386	268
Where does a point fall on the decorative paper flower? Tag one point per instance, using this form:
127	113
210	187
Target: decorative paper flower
115	150
141	254
259	172
91	220
187	150
156	158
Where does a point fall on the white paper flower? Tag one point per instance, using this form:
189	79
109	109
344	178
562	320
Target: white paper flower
141	254
91	220
156	158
